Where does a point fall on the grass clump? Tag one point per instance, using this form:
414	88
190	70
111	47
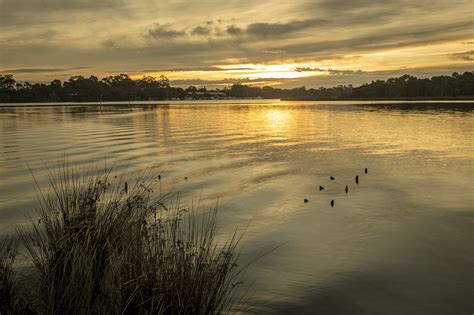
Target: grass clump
101	245
10	300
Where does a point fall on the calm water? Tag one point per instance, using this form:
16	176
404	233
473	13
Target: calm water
399	243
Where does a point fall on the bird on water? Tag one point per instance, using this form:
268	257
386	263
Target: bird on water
366	170
332	203
305	200
357	179
331	178
347	189
321	188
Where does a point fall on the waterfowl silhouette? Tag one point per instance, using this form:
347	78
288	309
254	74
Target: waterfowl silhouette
305	200
347	189
366	170
186	178
159	177
331	178
125	189
332	203
321	188
357	179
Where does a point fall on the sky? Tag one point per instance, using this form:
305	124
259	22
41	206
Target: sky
214	43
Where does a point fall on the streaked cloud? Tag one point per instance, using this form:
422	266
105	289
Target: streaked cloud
165	31
466	55
273	52
224	82
200	69
41	70
330	71
266	30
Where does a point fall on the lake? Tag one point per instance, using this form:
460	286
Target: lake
399	242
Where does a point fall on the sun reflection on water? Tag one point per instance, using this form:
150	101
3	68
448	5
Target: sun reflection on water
277	120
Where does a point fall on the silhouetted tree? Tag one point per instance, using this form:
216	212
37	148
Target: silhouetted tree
123	88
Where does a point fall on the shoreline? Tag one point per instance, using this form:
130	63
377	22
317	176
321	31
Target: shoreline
235	101
470	98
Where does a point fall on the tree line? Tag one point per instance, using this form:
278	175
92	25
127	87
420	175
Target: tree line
123	88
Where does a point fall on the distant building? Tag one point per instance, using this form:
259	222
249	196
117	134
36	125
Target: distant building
207	95
216	94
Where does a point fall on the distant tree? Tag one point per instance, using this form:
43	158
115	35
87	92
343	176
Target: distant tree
122	88
78	88
191	89
7	87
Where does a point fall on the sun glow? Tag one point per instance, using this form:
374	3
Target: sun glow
285	71
261	71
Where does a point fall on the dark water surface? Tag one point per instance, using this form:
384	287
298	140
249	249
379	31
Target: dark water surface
400	242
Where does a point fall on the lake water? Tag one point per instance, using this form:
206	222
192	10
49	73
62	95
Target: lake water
400	242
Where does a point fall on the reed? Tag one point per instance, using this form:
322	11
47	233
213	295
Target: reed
101	244
8	292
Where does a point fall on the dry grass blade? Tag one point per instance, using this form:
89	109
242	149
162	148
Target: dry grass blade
102	244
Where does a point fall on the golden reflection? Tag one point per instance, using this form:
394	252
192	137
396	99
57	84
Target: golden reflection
277	120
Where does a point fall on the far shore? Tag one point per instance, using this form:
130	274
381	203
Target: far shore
166	102
463	98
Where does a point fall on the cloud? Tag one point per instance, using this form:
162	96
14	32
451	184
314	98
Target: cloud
121	34
227	81
42	70
41	36
201	30
394	6
234	30
383	39
277	29
345	5
28	12
109	43
467	55
165	31
273	52
330	80
269	30
201	69
330	71
58	5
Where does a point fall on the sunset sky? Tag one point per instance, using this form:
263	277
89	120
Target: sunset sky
217	43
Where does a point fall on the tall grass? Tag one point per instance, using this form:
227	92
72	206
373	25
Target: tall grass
8	290
103	245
